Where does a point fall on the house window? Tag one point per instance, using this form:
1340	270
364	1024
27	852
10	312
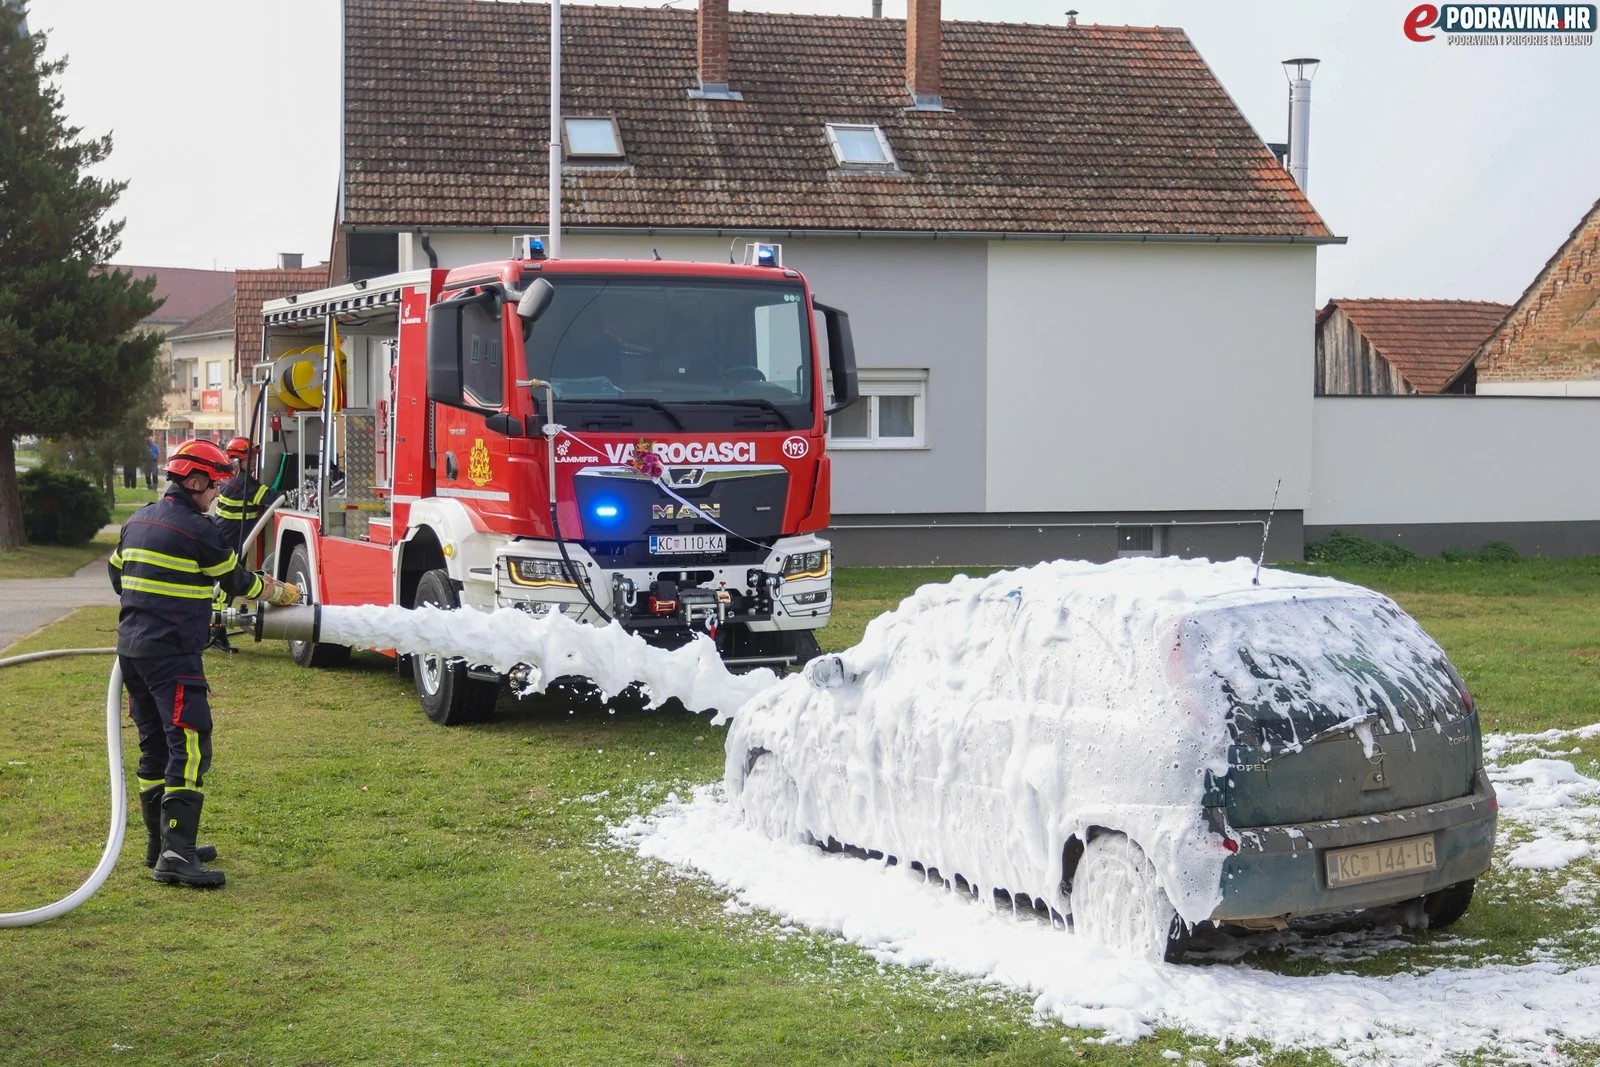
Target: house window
214	374
892	412
591	139
1138	541
859	146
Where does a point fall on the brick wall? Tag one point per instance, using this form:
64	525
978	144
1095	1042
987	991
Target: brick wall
1553	334
922	47
711	26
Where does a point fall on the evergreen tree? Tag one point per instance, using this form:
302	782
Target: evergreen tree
65	364
102	452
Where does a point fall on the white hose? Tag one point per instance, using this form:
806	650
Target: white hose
119	795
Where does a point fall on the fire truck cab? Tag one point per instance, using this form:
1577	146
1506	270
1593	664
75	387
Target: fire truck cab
632	441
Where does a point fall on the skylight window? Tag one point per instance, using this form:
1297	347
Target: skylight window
859	146
591	138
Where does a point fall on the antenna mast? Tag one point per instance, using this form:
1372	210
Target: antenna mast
1266	531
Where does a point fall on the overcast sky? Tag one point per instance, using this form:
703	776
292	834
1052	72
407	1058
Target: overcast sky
1454	172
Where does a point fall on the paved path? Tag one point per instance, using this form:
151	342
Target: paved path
27	604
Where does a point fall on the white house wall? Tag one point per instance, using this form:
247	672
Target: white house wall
1380	461
1148	377
913	304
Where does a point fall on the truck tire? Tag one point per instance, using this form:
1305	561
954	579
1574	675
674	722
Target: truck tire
1448	904
307	653
448	696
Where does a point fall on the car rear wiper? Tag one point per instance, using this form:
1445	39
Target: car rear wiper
751	402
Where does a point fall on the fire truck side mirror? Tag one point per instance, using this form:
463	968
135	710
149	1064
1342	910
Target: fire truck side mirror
841	358
447	322
505	425
534	302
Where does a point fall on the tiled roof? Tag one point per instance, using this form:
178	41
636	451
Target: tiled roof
187	290
1051	129
1425	340
218	319
1529	295
256	287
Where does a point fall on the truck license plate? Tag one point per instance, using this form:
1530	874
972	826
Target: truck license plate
676	544
1388	859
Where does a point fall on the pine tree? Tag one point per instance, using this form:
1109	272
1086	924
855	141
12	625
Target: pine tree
64	364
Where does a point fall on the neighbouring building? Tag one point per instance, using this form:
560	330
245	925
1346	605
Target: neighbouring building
1400	347
200	402
186	293
1078	279
1549	344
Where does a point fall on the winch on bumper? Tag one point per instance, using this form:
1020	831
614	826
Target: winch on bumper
759	610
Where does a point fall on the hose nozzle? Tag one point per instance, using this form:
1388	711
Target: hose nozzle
302	622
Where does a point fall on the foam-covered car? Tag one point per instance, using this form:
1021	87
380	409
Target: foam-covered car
1139	746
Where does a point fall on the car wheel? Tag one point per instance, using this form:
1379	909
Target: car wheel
1118	902
311	653
449	696
1448	904
770	799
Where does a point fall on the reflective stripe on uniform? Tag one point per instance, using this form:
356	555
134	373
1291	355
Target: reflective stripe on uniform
155	588
222	568
160	559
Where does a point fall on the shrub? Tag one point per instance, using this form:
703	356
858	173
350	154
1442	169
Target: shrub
1343	547
60	508
1456	555
1498	552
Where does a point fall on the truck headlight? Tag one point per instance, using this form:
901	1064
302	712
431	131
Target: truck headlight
806	565
541	572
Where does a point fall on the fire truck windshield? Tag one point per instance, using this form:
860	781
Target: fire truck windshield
675	354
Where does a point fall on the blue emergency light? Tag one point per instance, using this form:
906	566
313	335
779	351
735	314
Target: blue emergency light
606	511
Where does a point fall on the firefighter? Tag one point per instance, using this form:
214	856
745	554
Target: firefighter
240	502
167	560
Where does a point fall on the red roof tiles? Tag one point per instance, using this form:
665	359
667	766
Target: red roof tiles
1050	129
1425	340
256	287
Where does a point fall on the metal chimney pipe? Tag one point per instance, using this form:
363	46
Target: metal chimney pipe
554	251
1299	72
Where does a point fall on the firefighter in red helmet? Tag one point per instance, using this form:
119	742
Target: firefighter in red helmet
167	560
240	502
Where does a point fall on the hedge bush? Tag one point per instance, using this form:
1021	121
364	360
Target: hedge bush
60	507
1343	547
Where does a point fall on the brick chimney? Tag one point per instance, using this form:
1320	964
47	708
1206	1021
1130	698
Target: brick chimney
923	40
711	48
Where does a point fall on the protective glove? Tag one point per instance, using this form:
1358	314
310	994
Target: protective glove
279	594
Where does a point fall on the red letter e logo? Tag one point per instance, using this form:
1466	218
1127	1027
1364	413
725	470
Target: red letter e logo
1422	16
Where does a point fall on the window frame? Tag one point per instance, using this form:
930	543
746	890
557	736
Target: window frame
881	382
1155	532
569	156
888	162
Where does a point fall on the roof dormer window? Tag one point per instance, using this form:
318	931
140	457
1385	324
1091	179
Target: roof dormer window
860	146
591	139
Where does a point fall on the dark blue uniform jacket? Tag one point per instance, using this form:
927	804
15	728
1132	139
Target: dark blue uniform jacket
240	502
164	567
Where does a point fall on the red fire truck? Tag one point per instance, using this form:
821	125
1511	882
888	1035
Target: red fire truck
616	440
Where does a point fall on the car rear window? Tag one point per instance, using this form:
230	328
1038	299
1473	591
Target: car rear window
1296	669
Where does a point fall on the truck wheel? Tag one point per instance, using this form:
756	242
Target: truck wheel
306	653
449	697
1117	902
1448	904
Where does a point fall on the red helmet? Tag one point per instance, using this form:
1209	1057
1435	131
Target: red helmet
202	457
239	448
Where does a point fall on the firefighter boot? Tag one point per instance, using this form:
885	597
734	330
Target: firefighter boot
180	823
150	805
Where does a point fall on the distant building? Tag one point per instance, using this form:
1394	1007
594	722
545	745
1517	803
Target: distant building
1399	347
1549	345
201	401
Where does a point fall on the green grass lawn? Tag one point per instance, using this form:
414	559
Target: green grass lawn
401	893
54	561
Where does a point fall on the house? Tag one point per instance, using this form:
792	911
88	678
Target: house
200	402
1399	347
186	294
1078	279
1549	345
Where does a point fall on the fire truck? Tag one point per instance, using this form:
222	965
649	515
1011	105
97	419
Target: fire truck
638	442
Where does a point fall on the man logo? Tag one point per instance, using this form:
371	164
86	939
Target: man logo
680	512
685	477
